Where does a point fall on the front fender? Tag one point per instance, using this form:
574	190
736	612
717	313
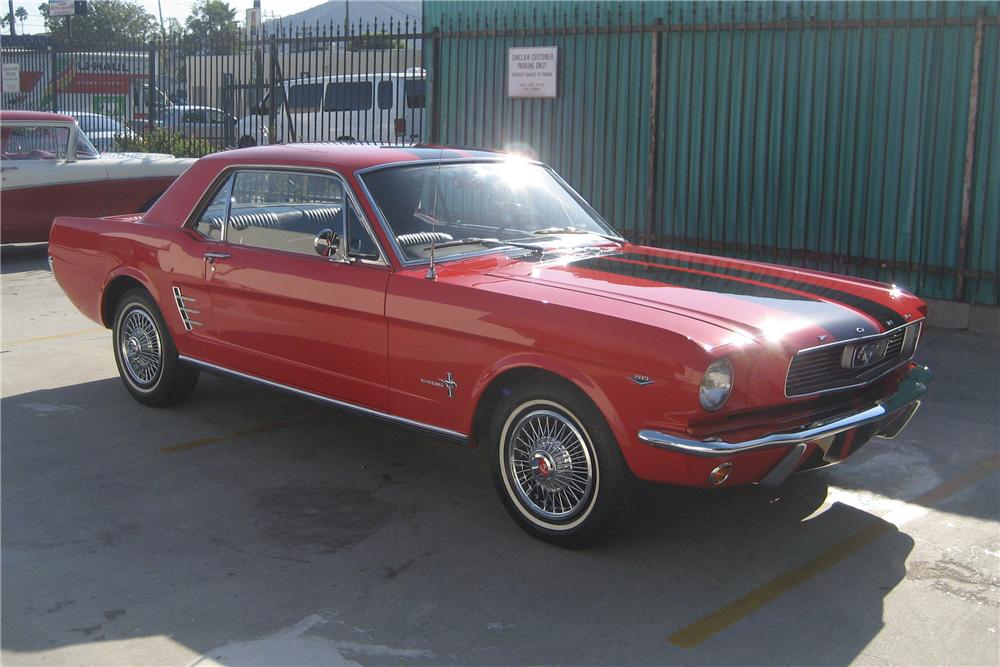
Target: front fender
579	377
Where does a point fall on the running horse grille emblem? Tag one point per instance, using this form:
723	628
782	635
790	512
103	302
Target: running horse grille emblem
862	355
447	382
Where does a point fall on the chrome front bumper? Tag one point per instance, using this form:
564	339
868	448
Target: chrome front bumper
904	402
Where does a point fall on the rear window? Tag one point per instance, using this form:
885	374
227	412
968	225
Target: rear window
414	93
305	97
348	96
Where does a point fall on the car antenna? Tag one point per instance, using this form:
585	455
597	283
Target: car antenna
432	270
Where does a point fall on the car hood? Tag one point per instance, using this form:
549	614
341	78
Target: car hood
765	302
144	165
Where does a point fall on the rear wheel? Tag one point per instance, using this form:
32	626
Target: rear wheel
556	464
145	353
246	142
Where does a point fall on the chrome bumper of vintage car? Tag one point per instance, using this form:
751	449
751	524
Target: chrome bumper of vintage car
895	411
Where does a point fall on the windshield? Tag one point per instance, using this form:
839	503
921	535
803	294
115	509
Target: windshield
509	201
84	149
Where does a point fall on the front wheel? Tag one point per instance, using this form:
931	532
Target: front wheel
557	465
246	142
145	353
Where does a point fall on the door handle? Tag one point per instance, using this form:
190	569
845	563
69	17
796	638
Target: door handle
210	257
8	168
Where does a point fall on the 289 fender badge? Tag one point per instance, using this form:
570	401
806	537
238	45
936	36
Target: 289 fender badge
641	380
447	382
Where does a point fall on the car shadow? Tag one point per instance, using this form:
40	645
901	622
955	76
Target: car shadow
20	257
244	515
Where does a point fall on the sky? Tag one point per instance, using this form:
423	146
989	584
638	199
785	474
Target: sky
178	9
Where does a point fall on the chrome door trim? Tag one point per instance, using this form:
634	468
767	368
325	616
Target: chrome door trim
344	405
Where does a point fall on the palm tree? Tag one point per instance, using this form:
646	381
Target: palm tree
21	14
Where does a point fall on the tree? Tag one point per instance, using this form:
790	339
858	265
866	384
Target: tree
211	22
21	14
107	23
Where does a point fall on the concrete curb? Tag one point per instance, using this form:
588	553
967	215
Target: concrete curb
963	316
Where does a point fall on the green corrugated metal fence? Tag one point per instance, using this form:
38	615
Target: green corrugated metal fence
831	135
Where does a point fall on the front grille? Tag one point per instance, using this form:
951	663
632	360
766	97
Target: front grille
820	369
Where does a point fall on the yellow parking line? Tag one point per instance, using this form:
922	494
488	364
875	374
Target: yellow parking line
68	334
260	428
719	620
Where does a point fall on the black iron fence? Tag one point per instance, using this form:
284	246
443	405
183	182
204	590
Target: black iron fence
362	82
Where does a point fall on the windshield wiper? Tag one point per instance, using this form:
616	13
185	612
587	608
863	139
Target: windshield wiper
486	243
577	230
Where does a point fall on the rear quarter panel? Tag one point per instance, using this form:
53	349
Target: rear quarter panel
89	253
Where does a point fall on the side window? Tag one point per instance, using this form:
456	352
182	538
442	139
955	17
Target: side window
413	91
281	210
305	97
385	94
348	96
193	116
209	223
41	142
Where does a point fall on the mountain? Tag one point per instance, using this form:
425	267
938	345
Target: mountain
365	11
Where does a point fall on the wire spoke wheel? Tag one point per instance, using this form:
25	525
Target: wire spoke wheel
140	346
550	465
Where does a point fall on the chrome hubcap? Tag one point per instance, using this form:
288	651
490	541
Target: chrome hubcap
550	464
141	351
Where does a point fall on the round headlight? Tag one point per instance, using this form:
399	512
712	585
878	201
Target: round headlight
716	384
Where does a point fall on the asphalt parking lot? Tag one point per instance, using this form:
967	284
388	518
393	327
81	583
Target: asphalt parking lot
248	527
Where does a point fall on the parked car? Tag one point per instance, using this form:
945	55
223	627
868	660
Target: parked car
101	130
378	107
213	125
477	298
50	168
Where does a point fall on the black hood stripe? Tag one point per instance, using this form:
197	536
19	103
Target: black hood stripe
885	316
840	322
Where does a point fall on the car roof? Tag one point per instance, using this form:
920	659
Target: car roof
359	78
36	116
341	157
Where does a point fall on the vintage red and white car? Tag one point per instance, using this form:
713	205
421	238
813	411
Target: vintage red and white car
476	297
50	168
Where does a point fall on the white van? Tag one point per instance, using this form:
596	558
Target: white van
373	108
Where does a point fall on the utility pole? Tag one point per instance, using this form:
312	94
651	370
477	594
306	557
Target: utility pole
159	5
11	17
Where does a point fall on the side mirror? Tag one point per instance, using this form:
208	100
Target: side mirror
328	244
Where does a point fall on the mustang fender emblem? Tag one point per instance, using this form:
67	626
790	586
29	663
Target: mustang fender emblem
447	382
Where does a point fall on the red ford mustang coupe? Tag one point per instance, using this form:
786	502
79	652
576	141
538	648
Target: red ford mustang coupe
474	296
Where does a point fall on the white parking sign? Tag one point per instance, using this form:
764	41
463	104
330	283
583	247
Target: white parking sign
11	78
531	71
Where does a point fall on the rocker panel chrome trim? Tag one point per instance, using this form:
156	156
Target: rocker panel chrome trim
344	405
